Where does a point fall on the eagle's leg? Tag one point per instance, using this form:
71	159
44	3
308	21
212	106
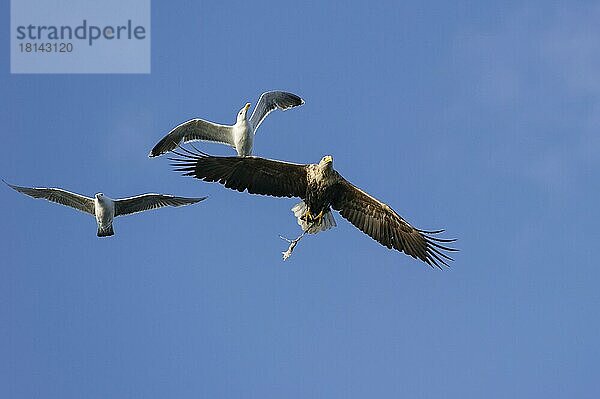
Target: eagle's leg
308	217
319	218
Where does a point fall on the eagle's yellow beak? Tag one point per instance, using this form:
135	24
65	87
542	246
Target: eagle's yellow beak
328	159
247	106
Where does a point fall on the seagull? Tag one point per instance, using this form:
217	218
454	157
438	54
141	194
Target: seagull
239	136
321	188
105	209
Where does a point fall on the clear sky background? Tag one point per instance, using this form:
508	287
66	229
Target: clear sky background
478	117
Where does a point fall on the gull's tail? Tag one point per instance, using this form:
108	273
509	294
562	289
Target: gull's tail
105	231
327	221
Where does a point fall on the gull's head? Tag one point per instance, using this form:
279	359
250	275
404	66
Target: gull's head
242	114
326	161
99	196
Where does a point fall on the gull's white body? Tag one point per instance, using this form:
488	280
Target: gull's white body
239	136
104	208
243	133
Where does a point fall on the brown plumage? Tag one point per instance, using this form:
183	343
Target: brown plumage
321	188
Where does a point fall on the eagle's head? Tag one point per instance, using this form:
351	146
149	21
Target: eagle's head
242	114
99	196
326	162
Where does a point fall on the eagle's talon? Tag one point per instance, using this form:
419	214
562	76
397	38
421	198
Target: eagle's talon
308	217
319	218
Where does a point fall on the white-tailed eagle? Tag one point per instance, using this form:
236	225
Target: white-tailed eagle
321	188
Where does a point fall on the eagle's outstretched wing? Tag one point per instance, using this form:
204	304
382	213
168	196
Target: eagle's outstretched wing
384	225
255	174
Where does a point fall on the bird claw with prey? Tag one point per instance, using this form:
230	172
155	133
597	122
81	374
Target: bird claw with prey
293	244
309	218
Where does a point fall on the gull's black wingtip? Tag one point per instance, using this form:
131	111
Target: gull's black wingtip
155	152
9	185
166	144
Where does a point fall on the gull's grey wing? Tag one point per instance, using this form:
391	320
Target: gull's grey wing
271	100
384	225
59	196
146	202
194	130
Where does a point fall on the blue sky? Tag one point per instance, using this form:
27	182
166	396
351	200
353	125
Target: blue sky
481	118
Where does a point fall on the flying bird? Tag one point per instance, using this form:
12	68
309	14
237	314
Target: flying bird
321	189
105	209
239	136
